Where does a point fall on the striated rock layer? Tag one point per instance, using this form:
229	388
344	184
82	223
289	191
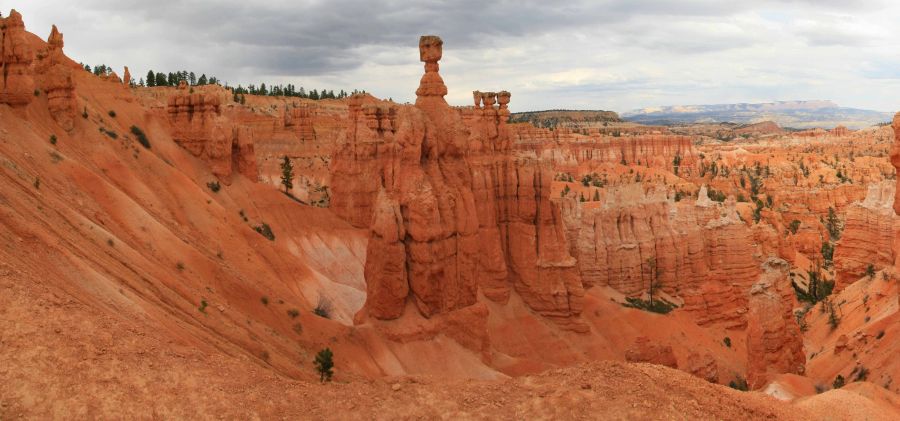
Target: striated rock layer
699	251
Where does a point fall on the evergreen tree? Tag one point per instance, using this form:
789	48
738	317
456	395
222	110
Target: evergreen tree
324	364
192	78
287	174
141	83
202	80
151	79
161	79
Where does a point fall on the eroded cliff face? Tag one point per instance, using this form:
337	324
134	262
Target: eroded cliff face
451	208
698	252
867	237
198	126
16	57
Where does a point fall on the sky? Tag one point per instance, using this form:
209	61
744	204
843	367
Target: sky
616	55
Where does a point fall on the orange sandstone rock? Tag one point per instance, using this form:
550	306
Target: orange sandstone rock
774	341
646	351
16	57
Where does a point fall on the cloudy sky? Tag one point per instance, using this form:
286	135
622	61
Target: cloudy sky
615	54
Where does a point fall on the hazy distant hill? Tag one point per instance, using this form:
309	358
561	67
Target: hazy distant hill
795	114
563	118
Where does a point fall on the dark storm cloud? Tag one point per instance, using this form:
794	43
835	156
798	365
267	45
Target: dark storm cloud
617	54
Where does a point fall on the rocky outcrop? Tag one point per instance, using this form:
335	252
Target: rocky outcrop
126	77
702	252
16	57
197	125
867	237
58	83
774	341
644	350
450	209
703	366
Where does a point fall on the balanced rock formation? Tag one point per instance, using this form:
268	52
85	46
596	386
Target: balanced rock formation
774	340
451	211
16	57
197	125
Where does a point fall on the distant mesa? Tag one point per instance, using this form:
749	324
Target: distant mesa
793	114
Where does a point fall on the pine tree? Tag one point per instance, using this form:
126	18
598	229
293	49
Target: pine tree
192	78
324	364
151	79
287	174
202	80
161	80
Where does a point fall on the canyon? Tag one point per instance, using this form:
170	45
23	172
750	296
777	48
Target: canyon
154	264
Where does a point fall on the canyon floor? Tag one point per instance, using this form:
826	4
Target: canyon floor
459	263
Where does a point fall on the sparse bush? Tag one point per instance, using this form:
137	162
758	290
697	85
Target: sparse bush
657	306
879	335
264	300
727	341
265	230
203	305
324	363
794	226
110	133
84	113
179	266
298	328
53	139
37	92
861	374
214	186
739	384
323	308
141	136
870	271
838	382
112	113
37	183
293	313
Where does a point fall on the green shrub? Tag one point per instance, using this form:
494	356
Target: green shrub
323	308
214	186
264	300
324	363
838	382
293	313
727	341
203	305
739	384
265	230
53	139
112	113
84	113
141	137
657	306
